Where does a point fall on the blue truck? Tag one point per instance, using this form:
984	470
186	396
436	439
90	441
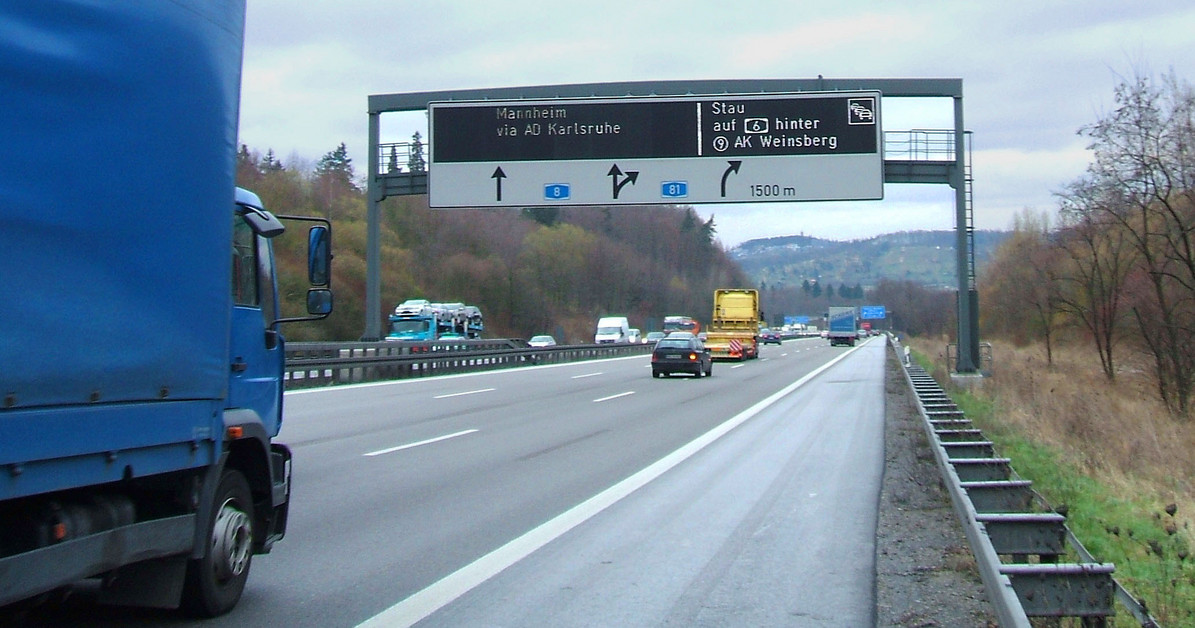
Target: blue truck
419	320
141	364
843	326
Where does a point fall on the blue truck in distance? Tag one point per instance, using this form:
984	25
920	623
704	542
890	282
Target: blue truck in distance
843	327
419	320
141	363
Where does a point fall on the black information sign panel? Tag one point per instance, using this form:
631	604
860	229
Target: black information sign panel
700	149
785	126
562	131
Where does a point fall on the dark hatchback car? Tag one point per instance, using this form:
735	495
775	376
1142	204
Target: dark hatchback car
681	354
769	336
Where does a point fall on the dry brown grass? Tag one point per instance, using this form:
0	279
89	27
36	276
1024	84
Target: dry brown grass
1116	431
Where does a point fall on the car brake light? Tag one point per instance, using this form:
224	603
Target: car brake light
692	357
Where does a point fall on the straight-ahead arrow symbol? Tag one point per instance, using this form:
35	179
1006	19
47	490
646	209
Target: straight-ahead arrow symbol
498	176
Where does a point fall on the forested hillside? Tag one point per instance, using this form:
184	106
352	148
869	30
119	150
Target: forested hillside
533	271
923	257
911	273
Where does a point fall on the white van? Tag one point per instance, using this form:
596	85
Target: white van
612	329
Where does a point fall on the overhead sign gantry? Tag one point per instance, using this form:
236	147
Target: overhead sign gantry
691	185
604	151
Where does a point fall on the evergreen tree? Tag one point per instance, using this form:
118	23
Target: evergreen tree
708	230
415	162
247	173
546	216
243	156
337	169
334	180
270	163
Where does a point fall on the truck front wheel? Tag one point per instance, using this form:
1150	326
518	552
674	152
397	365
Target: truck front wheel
215	582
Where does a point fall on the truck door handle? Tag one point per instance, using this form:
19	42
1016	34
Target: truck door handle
239	365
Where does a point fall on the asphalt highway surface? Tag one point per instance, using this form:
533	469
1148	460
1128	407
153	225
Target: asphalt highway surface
581	494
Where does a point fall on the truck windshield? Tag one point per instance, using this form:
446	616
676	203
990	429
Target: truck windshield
680	325
408	327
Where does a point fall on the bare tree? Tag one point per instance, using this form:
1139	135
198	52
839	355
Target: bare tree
1098	257
1145	150
1022	286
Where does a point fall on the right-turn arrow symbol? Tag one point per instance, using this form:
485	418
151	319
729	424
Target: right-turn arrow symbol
734	167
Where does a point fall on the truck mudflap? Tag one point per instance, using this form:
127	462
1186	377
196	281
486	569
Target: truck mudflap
280	472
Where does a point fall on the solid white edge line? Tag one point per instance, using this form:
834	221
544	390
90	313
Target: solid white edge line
422	604
429	441
631	392
468	392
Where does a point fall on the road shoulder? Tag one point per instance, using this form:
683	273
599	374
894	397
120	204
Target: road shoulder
925	571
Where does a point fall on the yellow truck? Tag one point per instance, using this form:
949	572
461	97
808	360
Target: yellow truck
734	330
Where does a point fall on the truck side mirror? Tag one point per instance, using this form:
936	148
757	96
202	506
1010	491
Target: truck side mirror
319	302
319	258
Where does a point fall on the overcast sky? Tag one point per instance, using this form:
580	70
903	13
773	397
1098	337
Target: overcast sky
1033	73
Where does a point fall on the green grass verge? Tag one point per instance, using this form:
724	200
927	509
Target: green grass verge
1135	533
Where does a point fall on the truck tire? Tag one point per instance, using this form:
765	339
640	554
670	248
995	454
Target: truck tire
215	582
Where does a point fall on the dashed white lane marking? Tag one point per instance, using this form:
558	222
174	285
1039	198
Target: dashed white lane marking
429	441
630	392
467	392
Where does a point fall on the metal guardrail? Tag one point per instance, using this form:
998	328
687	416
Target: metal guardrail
1004	518
310	364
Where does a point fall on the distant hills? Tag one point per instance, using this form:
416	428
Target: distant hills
922	257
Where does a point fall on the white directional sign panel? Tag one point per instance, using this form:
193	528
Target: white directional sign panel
641	151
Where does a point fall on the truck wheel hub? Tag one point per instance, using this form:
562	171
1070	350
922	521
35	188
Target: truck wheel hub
232	541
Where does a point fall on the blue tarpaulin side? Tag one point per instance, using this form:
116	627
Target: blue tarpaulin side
116	191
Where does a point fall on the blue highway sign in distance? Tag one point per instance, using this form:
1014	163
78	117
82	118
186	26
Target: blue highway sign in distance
872	312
